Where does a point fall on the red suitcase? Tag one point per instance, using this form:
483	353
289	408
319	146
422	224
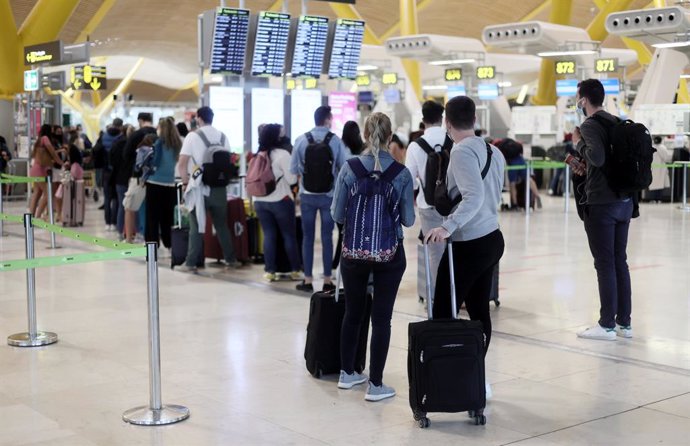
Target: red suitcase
73	203
237	223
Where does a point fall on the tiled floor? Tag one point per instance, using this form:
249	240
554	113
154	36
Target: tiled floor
232	351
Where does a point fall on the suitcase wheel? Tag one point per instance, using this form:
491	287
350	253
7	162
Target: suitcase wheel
497	302
421	300
421	419
318	374
479	420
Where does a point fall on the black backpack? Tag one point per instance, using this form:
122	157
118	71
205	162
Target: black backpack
217	165
436	167
318	165
628	165
442	202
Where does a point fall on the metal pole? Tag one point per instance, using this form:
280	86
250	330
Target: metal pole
527	185
49	180
155	414
33	337
427	270
685	207
451	266
2	222
304	7
29	186
673	183
566	188
200	43
286	6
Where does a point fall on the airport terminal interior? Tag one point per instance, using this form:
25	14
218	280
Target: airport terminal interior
116	333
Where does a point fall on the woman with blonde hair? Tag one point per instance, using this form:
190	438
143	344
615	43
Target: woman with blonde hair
374	165
160	184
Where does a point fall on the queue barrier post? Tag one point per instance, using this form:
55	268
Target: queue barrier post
528	183
566	188
684	207
49	181
32	338
2	210
673	182
155	414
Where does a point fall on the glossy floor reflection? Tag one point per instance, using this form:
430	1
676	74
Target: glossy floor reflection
232	351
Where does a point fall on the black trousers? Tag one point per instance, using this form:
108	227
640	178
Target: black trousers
160	206
387	277
474	262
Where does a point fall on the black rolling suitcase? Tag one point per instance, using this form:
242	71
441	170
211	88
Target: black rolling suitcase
179	236
322	349
445	362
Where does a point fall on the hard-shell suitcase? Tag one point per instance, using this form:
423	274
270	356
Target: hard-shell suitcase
237	223
322	349
74	203
445	362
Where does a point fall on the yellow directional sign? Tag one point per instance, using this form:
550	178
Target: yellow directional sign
291	84
88	77
43	53
453	74
363	80
389	78
487	72
565	67
311	83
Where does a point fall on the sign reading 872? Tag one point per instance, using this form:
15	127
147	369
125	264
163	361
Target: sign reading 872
565	67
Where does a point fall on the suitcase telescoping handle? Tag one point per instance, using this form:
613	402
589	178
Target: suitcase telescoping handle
429	297
178	195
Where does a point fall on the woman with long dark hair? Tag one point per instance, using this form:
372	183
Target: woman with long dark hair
352	138
43	156
276	211
160	185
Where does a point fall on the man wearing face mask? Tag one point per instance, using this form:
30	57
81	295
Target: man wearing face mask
607	217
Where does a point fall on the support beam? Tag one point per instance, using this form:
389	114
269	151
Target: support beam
683	95
659	3
644	55
108	102
276	6
421	6
344	11
95	21
96	98
9	44
410	27
597	29
194	85
546	89
46	20
536	11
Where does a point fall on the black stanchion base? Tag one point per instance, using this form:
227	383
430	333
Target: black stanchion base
145	416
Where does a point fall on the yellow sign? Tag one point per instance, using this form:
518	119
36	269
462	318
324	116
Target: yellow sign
48	52
311	83
565	67
606	65
487	72
363	80
453	74
389	78
88	77
290	84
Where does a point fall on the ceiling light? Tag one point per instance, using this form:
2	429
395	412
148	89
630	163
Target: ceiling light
566	53
434	87
672	44
451	61
505	84
367	67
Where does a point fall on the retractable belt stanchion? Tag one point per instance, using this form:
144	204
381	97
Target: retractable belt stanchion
2	210
528	182
684	207
566	188
673	183
33	338
49	181
155	414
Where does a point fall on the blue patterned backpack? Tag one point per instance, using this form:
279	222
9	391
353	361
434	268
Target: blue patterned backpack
373	216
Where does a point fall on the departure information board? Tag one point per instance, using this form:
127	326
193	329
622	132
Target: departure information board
270	46
229	40
347	47
310	46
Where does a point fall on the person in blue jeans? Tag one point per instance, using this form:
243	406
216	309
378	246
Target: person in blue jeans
317	172
357	274
607	217
276	211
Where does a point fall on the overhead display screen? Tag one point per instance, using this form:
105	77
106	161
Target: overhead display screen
303	103
271	42
228	106
310	46
267	108
229	40
347	47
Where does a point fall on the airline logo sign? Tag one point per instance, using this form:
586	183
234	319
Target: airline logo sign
88	77
43	53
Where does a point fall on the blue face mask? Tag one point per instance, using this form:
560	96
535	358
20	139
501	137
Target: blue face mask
581	108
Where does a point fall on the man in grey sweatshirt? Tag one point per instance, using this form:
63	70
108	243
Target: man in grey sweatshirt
476	172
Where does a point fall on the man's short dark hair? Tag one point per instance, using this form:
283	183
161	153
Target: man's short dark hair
117	122
145	116
206	114
593	90
322	114
432	112
460	113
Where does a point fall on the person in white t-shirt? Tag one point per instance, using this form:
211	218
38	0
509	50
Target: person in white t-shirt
435	137
192	156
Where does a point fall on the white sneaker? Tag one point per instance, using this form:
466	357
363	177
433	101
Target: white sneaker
599	333
107	228
624	332
489	393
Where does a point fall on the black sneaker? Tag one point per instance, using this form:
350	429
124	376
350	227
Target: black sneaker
306	287
327	287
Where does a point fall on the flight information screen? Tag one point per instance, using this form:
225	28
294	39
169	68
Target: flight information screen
310	46
229	40
270	45
347	47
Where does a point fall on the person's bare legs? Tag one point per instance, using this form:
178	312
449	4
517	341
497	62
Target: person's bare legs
130	225
36	195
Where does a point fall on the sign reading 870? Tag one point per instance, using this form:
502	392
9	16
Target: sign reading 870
565	67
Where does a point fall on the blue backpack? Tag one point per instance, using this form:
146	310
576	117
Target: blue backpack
372	215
